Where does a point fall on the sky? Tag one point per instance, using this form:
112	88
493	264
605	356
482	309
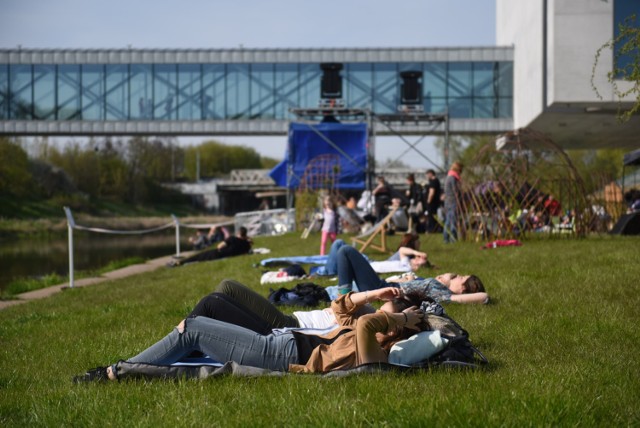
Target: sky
112	24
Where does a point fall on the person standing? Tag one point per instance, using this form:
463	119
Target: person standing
433	192
452	195
329	223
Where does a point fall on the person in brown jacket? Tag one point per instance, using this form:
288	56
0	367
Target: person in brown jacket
356	341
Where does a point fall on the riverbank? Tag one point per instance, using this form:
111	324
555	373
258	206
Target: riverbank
131	270
14	228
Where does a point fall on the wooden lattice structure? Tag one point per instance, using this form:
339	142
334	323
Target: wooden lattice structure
504	191
319	179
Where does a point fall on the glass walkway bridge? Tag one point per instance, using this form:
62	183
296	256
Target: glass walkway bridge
242	91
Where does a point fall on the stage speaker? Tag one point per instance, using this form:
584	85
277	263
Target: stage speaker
629	224
331	82
411	89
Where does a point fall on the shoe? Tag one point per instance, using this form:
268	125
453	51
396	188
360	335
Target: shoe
99	374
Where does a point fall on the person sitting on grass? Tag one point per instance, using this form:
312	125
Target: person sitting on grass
357	341
231	246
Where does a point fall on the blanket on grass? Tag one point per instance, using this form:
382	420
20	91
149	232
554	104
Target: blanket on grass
127	370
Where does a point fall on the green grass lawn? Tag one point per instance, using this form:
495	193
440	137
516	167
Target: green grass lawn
561	334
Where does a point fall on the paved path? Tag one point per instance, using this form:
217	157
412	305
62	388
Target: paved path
149	266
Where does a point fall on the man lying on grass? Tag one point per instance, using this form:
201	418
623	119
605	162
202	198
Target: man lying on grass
356	341
231	246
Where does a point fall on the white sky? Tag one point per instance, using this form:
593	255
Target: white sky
254	24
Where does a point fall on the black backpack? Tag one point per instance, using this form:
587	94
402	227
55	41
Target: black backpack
459	351
303	294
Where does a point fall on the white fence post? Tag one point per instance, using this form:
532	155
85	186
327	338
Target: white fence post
70	225
177	223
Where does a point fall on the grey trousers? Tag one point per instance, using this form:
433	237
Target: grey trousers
223	342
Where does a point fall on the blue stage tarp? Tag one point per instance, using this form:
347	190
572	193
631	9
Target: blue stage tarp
307	141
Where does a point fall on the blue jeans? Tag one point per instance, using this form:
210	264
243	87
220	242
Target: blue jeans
450	232
223	342
352	266
331	267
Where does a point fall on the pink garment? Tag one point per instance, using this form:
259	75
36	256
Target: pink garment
323	242
502	243
454	174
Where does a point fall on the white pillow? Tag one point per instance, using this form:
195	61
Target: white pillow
417	348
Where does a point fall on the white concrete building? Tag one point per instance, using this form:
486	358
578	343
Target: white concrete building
555	44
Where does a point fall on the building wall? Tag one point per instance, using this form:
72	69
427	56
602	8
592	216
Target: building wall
519	24
576	29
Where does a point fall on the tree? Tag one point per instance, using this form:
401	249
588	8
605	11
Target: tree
217	159
626	43
15	178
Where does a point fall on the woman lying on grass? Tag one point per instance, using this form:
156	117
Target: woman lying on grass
235	303
449	287
357	340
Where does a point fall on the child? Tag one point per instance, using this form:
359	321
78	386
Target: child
329	224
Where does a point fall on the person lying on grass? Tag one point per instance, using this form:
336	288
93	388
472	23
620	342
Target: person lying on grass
407	259
236	303
231	246
357	340
449	287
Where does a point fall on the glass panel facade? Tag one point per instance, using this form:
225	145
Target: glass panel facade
117	93
93	91
165	84
189	90
286	90
622	10
142	101
434	86
505	79
237	91
44	92
485	82
242	91
213	91
385	96
357	84
309	85
262	96
21	92
4	92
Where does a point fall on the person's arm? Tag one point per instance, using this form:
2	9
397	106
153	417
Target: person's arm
222	244
406	252
470	298
367	346
381	294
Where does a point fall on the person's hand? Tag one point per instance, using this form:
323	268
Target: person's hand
414	316
388	293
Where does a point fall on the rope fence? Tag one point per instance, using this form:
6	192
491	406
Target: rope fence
175	223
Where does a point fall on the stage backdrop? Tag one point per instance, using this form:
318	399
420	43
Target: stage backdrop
308	141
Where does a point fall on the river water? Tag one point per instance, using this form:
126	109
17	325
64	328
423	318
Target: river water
36	257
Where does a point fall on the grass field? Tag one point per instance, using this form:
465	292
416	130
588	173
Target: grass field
561	334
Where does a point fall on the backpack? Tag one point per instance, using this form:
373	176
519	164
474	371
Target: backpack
459	351
303	294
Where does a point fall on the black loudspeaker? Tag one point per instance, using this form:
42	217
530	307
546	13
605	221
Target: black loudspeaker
411	89
331	82
629	224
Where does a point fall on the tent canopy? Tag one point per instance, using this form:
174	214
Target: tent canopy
308	142
632	158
